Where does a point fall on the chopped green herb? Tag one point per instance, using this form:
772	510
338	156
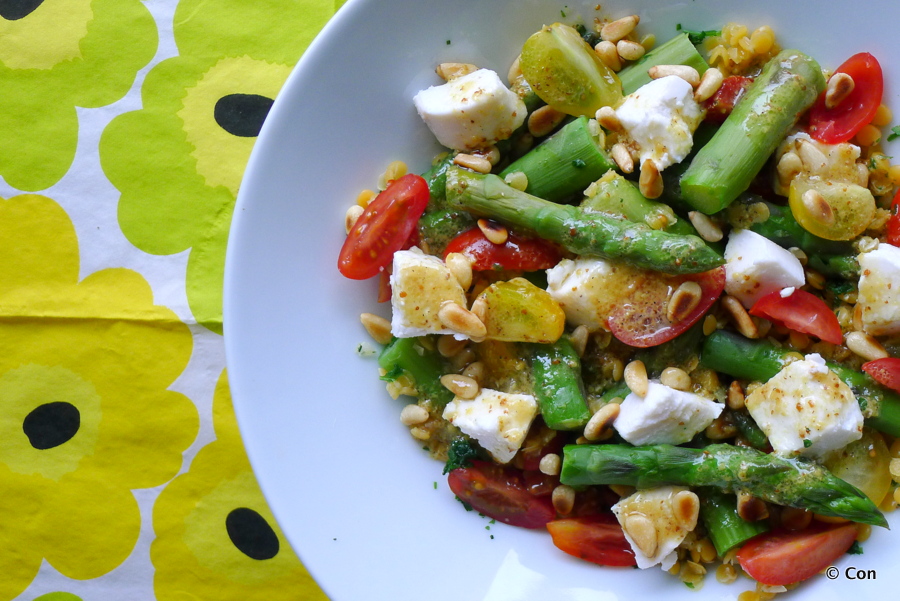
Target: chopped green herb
435	485
464	504
448	42
492	537
392	375
863	403
807	443
689	584
895	133
460	454
488	527
562	13
855	548
696	37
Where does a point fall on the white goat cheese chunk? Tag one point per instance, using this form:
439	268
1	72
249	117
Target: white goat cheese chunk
499	421
664	416
588	289
879	290
756	266
472	111
806	409
656	505
661	117
420	284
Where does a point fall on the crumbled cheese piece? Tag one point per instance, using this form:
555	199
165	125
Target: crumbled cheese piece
499	421
420	284
588	289
664	416
756	266
661	117
472	111
786	292
879	290
655	505
806	409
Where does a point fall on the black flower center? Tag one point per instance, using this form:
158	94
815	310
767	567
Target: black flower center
13	10
51	424
242	114
251	534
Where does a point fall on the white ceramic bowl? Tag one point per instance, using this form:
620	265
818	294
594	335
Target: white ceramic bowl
366	509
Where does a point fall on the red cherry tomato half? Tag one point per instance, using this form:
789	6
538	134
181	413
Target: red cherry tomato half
782	558
885	371
500	493
598	539
517	253
642	320
893	224
839	124
802	312
383	228
719	105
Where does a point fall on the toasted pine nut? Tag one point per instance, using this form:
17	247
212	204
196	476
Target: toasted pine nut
675	377
793	518
563	499
493	231
685	72
684	300
378	327
650	182
449	346
636	378
840	85
622	157
550	464
451	71
800	254
710	324
813	158
352	215
710	83
597	427
739	315
544	120
862	175
818	208
515	70
479	308
457	318
618	29
607	52
751	508
475	163
413	415
721	428
607	117
642	532
708	229
735	398
491	153
474	370
579	339
815	279
460	266
420	433
517	180
789	166
686	507
630	51
865	345
462	386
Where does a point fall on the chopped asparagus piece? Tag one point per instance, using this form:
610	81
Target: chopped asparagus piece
557	385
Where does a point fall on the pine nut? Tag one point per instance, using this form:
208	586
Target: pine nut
721	428
708	229
544	120
817	207
420	433
479	308
750	508
622	490
515	70
739	315
685	72
799	254
813	158
862	175
413	415
607	53
550	464
449	346
491	153
607	117
710	324
475	370
789	166
865	345
579	339
460	266
840	85
563	499
475	163
618	29
462	386
793	518
735	398
710	83
598	427
650	182
378	327
352	216
642	532
815	279
630	51
493	231
622	157
686	507
517	180
683	301
636	378
457	318
675	377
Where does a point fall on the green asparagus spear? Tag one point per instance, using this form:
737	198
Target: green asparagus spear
564	164
424	367
576	230
725	527
787	86
439	224
789	482
677	51
760	360
557	385
749	429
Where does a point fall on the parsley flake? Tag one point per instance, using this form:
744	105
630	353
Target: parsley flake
895	133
